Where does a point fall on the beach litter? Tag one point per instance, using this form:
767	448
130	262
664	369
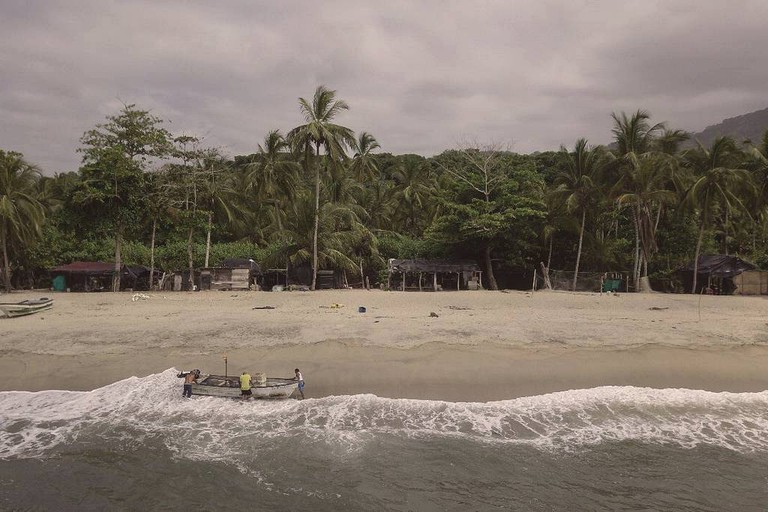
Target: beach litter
263	307
433	314
655	308
139	296
333	306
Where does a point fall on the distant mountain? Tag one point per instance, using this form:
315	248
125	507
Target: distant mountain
750	126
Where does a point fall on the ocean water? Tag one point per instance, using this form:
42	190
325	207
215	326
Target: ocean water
138	445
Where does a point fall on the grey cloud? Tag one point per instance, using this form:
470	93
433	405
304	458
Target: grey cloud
418	75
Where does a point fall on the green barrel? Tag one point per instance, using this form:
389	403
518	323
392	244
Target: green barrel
59	284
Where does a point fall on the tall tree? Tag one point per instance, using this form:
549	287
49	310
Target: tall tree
364	166
646	187
578	188
415	187
481	170
320	133
115	155
272	176
717	181
635	137
21	214
217	193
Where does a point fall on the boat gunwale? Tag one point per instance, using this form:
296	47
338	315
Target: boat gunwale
285	382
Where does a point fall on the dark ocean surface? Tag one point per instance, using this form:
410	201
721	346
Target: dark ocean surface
138	445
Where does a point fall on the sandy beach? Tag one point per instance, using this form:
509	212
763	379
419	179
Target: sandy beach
481	346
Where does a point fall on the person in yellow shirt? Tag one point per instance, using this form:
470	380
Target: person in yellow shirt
245	386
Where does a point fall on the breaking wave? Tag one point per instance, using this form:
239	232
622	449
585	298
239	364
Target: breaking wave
150	410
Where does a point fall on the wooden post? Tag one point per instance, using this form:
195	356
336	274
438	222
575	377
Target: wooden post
533	286
458	280
403	280
434	281
420	281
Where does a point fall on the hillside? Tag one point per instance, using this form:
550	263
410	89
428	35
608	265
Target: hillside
750	126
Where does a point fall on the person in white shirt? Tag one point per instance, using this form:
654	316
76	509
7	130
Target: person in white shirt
299	377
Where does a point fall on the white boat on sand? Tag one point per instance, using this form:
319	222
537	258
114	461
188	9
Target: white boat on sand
229	386
25	307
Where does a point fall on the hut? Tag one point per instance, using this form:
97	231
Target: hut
95	276
715	273
434	275
751	282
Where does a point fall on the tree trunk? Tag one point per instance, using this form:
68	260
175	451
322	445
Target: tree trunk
317	219
696	258
489	265
6	266
578	252
191	260
636	263
279	215
152	255
549	256
725	232
118	259
208	239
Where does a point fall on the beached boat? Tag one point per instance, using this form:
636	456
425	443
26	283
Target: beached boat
219	385
25	307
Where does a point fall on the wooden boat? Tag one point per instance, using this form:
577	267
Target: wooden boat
219	385
25	307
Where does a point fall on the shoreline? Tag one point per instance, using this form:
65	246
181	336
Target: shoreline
474	374
483	346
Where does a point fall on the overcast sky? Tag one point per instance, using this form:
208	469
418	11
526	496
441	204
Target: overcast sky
420	76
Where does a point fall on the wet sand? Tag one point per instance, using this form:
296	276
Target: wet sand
481	346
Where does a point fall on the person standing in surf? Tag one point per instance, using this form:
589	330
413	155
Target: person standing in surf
189	379
245	386
299	377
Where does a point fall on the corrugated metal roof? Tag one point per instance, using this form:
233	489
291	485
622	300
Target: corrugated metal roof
86	267
433	266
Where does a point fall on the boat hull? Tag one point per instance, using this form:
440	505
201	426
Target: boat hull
26	307
229	387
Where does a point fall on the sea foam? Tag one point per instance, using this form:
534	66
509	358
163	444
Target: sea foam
138	411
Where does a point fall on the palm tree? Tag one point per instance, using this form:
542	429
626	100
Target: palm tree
634	136
757	163
318	133
716	182
414	187
577	187
273	174
364	167
378	198
646	186
216	193
21	214
343	234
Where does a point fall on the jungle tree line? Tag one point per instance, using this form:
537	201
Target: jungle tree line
321	195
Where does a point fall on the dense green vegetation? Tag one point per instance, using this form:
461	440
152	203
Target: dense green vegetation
319	195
